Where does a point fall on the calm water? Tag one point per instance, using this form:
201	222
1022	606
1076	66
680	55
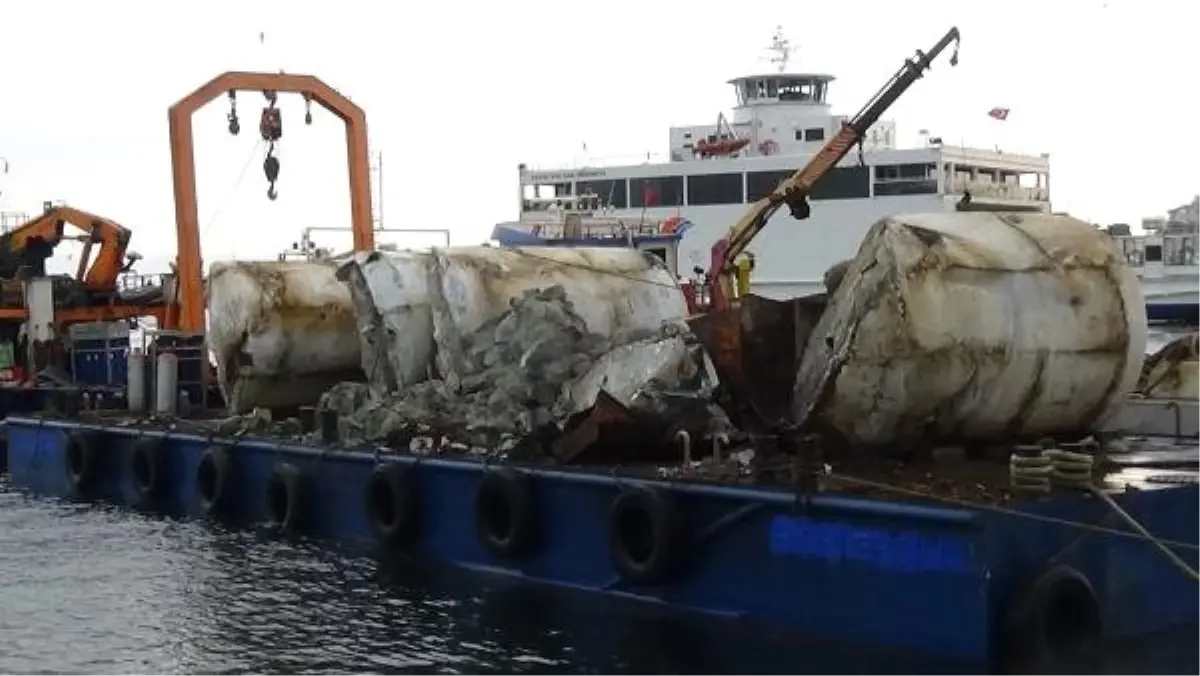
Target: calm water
100	590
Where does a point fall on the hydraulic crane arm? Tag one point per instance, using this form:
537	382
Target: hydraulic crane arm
35	240
795	189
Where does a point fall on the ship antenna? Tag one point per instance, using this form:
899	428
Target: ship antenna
782	48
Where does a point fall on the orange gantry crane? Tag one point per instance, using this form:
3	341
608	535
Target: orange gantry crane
189	313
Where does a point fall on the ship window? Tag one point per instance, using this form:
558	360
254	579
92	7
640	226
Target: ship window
772	89
905	179
814	134
705	189
893	188
801	90
903	172
658	191
839	184
546	190
611	192
799	134
1153	253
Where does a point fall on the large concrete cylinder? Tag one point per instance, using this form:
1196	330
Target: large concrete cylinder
414	310
285	332
974	326
282	332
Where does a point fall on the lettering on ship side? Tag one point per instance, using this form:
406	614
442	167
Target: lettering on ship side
559	176
893	550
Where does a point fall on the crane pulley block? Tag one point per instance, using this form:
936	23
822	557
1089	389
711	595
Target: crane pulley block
271	124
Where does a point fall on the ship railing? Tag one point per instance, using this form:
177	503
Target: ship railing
1175	249
590	162
10	220
610	229
1004	191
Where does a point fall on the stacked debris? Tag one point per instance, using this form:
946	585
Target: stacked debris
522	374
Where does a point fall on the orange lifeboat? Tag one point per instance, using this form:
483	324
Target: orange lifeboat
720	146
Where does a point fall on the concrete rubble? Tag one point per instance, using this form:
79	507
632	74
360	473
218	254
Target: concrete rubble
524	372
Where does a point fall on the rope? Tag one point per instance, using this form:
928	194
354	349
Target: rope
867	483
1133	523
1033	468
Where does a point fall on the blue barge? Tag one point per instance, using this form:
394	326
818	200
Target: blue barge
1047	579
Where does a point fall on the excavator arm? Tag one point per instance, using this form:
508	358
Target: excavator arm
794	190
34	241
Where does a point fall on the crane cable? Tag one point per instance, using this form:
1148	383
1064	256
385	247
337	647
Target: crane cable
233	188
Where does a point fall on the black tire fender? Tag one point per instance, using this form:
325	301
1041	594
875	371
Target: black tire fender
147	467
212	479
506	518
1055	625
391	504
288	500
645	536
81	460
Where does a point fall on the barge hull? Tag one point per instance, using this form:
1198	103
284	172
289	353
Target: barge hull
915	576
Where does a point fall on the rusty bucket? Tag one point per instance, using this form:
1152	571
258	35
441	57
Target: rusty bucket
755	348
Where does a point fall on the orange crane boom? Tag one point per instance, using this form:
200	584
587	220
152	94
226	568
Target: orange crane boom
794	190
190	263
37	238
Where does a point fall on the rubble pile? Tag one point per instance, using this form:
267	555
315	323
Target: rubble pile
522	372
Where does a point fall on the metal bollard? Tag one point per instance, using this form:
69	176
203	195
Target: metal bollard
329	426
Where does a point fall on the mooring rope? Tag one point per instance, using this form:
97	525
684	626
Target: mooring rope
966	504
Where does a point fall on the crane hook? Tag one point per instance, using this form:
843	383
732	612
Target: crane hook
307	108
271	169
234	125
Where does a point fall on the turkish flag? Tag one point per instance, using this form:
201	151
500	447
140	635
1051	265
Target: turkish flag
998	113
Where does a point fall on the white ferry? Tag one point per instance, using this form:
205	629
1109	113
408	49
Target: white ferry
780	120
1164	258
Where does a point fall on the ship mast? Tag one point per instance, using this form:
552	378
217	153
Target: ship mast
781	48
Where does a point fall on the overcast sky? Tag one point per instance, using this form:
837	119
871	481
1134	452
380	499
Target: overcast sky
457	94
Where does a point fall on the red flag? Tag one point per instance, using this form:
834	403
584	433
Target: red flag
650	196
998	113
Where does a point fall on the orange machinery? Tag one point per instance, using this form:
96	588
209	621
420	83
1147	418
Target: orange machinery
92	295
729	280
188	315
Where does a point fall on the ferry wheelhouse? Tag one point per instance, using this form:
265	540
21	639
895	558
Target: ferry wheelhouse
779	120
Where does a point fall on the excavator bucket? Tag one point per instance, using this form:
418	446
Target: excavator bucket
755	348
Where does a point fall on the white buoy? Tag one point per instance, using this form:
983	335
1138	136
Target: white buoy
167	382
135	380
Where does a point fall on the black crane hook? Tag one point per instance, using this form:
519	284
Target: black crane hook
271	169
